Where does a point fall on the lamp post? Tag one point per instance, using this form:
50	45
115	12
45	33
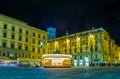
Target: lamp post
41	43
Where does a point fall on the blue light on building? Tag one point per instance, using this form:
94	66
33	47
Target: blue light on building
52	33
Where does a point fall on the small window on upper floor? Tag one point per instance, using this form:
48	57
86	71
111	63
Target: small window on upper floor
26	48
20	46
44	37
5	26
26	32
20	38
39	36
26	39
80	57
4	44
33	49
13	36
33	41
13	28
38	50
96	36
96	48
33	34
5	34
81	49
20	30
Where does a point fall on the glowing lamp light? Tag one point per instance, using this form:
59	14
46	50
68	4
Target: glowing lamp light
75	60
56	42
105	61
91	36
68	41
41	43
78	39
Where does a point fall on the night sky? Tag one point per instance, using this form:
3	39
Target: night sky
74	16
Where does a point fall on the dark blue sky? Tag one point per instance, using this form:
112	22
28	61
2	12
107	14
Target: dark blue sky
74	16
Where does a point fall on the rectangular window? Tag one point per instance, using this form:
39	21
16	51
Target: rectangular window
19	46
96	48
38	50
13	28
96	36
81	49
44	37
39	36
26	39
20	38
20	30
33	34
26	48
5	34
33	49
5	26
4	44
26	32
33	41
12	45
80	57
13	36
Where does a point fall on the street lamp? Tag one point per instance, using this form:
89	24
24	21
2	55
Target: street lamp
67	40
41	43
78	39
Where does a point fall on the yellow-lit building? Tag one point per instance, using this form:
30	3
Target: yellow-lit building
89	47
20	40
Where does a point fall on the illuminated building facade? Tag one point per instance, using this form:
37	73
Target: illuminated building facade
20	40
91	47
